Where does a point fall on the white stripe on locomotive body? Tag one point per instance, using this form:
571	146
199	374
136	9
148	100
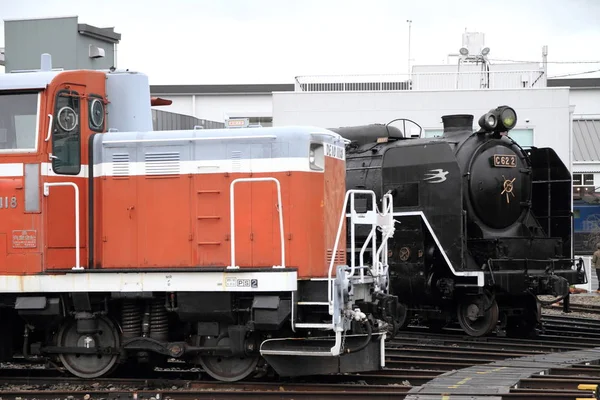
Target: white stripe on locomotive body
172	281
264	165
11	170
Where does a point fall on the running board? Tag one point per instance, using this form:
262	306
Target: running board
312	356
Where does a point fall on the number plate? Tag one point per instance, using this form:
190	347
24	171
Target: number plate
505	161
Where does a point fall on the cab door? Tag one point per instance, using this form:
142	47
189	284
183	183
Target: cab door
63	171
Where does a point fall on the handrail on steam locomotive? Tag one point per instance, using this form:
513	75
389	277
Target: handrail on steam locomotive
232	217
404	125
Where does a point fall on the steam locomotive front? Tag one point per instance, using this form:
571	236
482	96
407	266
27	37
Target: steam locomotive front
512	223
497	183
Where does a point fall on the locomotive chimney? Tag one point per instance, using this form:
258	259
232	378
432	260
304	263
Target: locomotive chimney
457	124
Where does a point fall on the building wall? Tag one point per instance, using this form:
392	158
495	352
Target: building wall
586	101
26	40
84	61
169	121
546	109
221	107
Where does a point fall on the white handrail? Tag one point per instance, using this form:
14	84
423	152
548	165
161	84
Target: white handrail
49	128
337	239
232	216
387	209
47	193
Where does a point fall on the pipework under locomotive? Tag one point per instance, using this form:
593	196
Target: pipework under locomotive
483	226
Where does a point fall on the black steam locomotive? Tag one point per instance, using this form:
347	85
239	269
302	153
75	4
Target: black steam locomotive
483	226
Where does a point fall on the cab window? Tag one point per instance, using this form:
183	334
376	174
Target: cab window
18	122
66	134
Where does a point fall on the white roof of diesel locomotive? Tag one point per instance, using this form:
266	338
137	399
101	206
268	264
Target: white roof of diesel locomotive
38	79
209	143
281	134
27	80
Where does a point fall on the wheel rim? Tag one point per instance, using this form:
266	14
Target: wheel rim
475	325
89	366
229	369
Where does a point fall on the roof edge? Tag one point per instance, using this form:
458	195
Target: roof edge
106	34
236	89
575	83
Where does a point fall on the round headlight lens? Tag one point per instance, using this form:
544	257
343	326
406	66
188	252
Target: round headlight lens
509	118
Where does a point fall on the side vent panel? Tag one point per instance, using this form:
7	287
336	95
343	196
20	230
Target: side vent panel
120	164
236	161
162	163
340	258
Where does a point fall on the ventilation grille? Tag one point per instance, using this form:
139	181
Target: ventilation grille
236	160
340	258
162	163
120	164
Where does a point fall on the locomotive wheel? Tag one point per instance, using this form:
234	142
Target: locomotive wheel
473	324
229	369
93	365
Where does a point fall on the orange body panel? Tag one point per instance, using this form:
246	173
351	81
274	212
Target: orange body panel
184	221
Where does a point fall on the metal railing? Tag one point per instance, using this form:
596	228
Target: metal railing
422	81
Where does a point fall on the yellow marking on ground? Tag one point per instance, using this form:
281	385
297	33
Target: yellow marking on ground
490	371
460	383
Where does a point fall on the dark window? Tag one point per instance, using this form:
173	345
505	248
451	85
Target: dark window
583	185
96	113
66	134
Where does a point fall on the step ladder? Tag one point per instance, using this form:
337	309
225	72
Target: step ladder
341	286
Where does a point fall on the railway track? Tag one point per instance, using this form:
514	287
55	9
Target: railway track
582	308
413	360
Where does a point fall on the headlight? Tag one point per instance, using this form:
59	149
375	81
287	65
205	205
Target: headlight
488	121
500	119
508	118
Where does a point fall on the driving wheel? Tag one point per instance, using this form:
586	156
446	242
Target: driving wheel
229	368
474	316
89	365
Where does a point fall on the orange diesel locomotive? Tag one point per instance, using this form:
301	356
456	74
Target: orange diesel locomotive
222	248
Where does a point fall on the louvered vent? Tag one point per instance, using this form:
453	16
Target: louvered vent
162	163
340	258
236	160
120	164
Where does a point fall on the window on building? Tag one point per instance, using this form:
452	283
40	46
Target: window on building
524	137
429	133
583	184
262	121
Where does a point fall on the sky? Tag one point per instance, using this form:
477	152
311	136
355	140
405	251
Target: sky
273	41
